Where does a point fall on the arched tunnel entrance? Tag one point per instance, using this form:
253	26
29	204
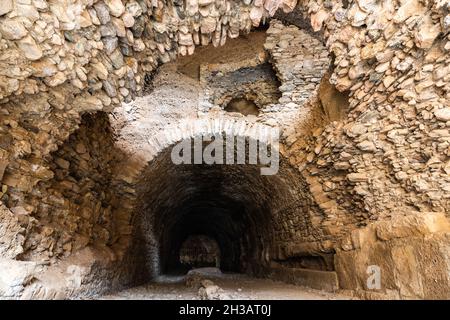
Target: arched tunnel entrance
249	215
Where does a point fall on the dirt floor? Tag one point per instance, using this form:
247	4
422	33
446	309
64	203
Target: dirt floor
232	286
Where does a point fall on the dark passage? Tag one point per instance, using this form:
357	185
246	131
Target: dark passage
199	251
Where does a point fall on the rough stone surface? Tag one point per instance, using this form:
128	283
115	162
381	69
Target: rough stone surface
381	153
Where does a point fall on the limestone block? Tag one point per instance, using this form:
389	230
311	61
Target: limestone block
192	7
272	6
289	5
256	14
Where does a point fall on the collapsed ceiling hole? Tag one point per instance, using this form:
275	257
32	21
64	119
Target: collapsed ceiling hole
243	106
258	85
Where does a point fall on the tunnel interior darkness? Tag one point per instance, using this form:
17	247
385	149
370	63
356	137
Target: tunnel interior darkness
242	105
246	213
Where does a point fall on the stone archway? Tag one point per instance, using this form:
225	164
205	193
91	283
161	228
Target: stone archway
249	214
198	251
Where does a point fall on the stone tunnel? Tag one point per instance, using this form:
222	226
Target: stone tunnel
305	142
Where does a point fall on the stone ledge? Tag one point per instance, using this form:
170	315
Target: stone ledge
416	224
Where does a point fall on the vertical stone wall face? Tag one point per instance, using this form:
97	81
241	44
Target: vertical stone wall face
386	159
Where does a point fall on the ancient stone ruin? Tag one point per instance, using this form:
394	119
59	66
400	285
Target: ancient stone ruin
95	95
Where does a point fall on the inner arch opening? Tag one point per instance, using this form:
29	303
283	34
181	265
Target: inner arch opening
242	105
199	251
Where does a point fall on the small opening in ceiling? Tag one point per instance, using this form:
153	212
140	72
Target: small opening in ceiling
243	106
